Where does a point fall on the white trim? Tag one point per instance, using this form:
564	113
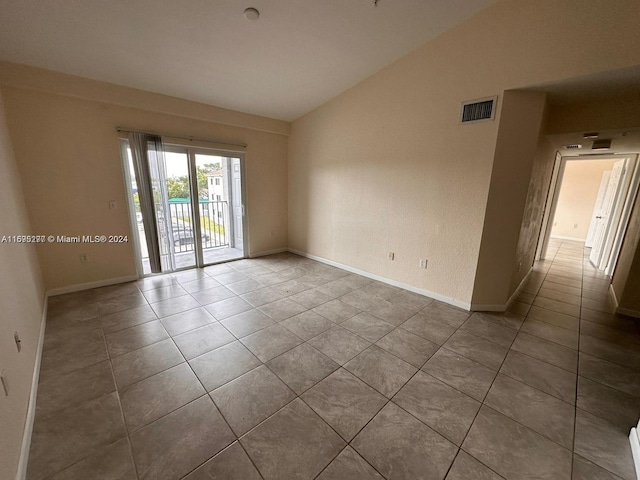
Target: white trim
612	294
268	252
573	239
480	307
21	474
635	449
628	312
517	291
89	285
436	296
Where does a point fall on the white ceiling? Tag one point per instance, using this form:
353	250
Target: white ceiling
297	56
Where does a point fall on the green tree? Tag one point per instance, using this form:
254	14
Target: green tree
178	187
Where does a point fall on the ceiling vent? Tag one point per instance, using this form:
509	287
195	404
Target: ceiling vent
602	144
573	146
478	110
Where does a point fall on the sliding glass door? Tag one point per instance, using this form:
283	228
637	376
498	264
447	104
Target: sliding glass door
196	195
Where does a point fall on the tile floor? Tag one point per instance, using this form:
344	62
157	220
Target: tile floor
284	368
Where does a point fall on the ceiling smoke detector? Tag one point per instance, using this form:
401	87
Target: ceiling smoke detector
251	13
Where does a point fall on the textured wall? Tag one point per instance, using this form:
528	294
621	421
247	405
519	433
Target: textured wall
22	301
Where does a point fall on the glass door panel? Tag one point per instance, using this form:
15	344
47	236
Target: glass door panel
179	229
214	200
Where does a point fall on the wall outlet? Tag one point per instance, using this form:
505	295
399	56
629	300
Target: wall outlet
16	337
392	255
84	258
423	263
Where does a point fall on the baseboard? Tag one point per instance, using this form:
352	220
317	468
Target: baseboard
89	285
268	252
635	448
436	296
31	409
479	307
628	312
573	239
519	289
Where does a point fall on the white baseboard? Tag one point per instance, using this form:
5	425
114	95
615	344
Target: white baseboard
573	239
268	252
436	296
31	409
479	307
89	285
635	448
628	312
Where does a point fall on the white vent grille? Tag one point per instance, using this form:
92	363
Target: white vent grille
573	146
478	110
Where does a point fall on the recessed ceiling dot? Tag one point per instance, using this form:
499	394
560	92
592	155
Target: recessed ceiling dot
251	13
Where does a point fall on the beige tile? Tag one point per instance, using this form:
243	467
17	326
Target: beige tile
514	451
344	402
219	366
129	339
110	463
144	362
401	447
230	464
293	443
383	371
154	397
73	434
176	444
251	398
74	388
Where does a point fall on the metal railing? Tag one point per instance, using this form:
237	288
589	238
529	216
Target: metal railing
214	218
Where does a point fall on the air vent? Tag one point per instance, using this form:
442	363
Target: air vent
478	110
573	146
602	144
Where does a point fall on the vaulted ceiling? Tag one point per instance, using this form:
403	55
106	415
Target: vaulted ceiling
296	56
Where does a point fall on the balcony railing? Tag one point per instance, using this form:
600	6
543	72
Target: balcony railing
214	221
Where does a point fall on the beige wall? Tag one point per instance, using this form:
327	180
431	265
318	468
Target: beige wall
533	217
386	167
521	120
577	198
22	301
69	159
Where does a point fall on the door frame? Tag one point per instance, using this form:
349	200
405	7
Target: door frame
554	193
191	151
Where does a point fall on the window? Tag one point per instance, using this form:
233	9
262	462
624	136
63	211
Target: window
218	198
217	180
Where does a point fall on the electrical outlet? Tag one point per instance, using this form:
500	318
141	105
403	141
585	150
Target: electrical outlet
84	258
423	263
16	337
391	255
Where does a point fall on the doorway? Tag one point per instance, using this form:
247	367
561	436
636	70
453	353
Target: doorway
591	198
198	208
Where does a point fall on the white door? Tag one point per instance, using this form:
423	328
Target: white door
604	183
604	220
237	206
